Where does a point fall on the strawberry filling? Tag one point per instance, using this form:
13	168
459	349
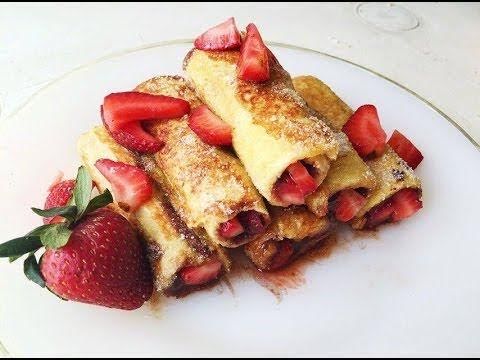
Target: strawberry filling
248	222
405	149
283	255
347	204
400	206
201	274
295	184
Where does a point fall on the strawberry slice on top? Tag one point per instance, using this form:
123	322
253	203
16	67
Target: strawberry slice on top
209	127
224	36
122	108
131	185
253	63
365	132
405	149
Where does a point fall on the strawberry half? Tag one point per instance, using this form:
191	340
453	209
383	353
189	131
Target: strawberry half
224	36
288	191
201	274
131	185
133	137
253	63
231	228
302	178
348	204
365	132
123	108
59	195
405	203
405	149
209	127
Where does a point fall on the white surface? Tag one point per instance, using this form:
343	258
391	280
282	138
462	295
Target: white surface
439	59
414	291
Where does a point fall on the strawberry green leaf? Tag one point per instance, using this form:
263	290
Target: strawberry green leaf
99	201
55	236
68	212
20	246
31	270
82	191
11	259
38	230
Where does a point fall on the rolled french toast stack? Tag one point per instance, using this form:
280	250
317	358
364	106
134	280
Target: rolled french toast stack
240	156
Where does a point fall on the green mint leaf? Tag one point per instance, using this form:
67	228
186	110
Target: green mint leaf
55	236
99	201
68	212
20	246
82	191
31	269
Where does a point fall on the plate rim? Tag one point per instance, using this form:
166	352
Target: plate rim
164	43
159	44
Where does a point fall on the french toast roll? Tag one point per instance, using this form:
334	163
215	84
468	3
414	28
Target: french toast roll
394	178
294	231
272	128
207	185
174	250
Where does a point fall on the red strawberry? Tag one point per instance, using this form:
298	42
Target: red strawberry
348	204
379	215
231	228
288	191
405	203
365	132
131	185
59	195
224	36
282	256
405	149
123	108
103	263
253	62
252	221
302	178
209	127
201	274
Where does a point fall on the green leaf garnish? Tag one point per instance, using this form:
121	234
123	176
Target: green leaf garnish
82	191
31	269
20	246
68	212
55	236
99	201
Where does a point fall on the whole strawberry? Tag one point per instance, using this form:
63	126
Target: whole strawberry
103	263
92	255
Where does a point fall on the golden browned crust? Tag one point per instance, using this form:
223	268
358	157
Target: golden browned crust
323	100
206	184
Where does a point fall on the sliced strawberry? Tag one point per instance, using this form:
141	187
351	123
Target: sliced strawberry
231	228
405	149
133	137
123	108
252	221
288	191
201	274
224	36
302	178
365	132
379	215
209	127
348	204
253	61
59	195
405	203
282	256
131	185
